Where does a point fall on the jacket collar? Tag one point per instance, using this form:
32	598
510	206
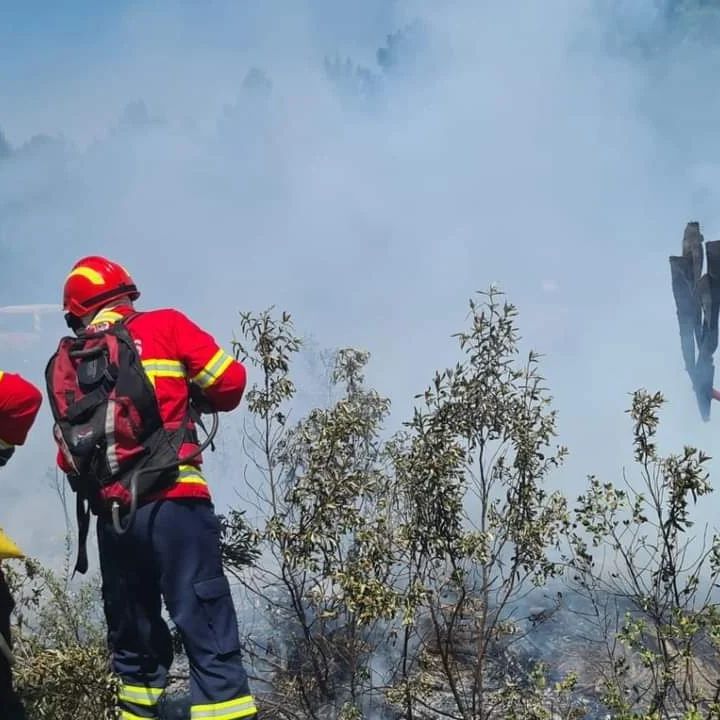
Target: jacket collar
107	316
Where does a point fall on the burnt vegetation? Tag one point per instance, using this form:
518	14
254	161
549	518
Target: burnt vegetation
423	573
430	572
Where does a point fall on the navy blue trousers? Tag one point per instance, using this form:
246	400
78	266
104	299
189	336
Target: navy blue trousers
172	552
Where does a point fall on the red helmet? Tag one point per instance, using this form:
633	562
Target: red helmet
93	282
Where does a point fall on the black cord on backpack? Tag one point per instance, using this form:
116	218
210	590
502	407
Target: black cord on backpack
121	529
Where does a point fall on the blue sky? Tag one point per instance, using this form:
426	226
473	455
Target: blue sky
33	26
50	48
37	39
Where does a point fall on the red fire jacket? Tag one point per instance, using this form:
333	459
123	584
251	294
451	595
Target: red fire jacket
175	351
19	405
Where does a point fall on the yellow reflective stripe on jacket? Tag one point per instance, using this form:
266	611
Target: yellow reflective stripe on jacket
213	370
229	710
163	368
140	695
190	475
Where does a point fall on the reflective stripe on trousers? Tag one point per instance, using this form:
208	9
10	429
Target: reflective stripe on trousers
144	566
128	715
140	695
242	707
138	702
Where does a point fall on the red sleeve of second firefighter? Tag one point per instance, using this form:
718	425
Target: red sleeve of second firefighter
20	401
221	378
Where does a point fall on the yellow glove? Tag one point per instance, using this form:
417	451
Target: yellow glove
8	549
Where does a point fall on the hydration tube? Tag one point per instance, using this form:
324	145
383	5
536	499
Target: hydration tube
121	529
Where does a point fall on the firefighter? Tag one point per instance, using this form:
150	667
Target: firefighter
172	549
20	402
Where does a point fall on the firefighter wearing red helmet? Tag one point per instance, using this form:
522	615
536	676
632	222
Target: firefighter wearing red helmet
20	402
92	284
171	550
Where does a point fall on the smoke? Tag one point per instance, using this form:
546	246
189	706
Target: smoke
367	166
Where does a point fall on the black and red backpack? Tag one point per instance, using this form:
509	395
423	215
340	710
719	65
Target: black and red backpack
107	421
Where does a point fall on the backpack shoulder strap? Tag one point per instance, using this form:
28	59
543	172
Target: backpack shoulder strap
121	326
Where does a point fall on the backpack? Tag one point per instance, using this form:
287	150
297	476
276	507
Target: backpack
107	422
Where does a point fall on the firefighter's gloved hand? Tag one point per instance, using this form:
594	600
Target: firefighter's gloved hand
5	455
200	401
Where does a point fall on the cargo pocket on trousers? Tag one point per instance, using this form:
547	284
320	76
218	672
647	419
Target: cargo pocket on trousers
219	613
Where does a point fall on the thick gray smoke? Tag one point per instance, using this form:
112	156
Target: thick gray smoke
231	158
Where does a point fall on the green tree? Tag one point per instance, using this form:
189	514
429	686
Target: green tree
62	666
325	491
649	578
479	524
415	549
